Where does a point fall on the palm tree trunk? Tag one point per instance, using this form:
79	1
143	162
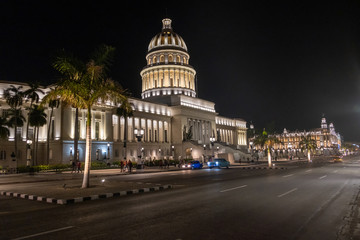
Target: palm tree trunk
27	126
15	140
76	135
37	146
269	157
125	136
48	137
86	183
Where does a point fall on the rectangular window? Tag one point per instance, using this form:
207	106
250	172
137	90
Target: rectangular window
165	135
19	132
97	130
155	136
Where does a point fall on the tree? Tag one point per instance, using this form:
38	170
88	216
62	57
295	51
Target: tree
309	144
125	110
266	141
84	85
52	104
4	130
32	94
37	119
14	98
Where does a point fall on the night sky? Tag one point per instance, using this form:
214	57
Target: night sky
286	64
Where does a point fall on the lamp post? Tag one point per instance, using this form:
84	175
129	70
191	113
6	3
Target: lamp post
139	133
28	152
212	140
173	151
71	154
108	152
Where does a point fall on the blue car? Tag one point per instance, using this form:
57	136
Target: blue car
219	162
196	165
192	165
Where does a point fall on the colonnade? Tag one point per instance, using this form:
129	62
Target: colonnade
201	130
154	130
168	77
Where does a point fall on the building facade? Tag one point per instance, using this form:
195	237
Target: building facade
169	121
328	141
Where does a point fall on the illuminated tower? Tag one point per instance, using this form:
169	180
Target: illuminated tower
167	71
323	123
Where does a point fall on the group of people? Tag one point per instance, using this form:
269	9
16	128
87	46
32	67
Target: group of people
126	165
76	167
164	164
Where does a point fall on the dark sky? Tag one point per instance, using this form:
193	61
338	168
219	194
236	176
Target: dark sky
260	61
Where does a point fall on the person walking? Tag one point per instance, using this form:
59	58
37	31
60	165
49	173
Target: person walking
79	167
130	166
73	167
121	166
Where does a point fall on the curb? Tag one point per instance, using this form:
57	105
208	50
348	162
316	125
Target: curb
83	199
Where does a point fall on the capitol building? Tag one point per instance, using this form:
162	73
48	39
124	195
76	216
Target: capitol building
168	122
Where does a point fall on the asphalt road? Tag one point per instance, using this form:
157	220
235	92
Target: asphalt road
304	201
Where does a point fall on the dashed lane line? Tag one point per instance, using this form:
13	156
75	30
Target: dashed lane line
44	233
323	177
230	189
288	192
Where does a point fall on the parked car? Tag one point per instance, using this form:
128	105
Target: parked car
192	165
218	162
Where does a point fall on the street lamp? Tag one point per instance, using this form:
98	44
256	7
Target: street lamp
139	135
173	151
212	140
28	152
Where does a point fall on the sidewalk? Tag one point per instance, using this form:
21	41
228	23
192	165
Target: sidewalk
65	187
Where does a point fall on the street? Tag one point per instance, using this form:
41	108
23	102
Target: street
303	201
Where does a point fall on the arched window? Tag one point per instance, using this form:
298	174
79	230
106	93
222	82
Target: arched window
162	59
171	58
154	60
178	59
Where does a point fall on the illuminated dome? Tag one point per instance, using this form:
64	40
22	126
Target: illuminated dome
167	38
168	71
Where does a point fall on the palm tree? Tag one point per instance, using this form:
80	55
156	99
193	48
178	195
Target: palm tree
32	94
90	85
125	110
4	130
14	98
37	119
309	144
52	104
266	141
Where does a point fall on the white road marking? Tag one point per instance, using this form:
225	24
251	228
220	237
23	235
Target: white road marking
292	190
335	171
230	189
308	170
288	175
43	233
323	177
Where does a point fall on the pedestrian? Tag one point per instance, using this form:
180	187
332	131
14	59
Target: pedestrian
165	163
168	164
161	163
130	166
73	167
121	166
79	167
